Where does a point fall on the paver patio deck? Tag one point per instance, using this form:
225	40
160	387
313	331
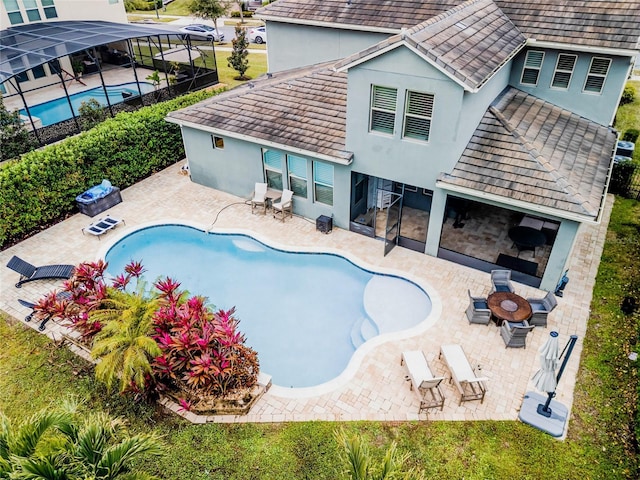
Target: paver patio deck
377	390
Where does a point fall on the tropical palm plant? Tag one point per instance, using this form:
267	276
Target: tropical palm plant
51	445
359	465
124	345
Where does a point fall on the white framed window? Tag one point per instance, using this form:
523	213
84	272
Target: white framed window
418	111
383	109
323	182
564	70
597	75
297	169
217	142
532	67
13	11
31	7
49	9
272	162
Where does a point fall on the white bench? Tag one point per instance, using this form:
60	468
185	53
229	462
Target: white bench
426	385
469	385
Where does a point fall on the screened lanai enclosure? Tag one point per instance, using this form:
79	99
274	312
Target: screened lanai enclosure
48	70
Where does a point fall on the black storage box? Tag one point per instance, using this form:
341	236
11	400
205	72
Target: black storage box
324	224
101	204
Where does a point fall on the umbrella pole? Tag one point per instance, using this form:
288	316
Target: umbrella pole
544	409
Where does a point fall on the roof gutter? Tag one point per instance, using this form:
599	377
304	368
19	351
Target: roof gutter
315	23
347	160
582	48
521	204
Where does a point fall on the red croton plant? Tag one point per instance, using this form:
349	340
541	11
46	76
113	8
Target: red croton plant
203	353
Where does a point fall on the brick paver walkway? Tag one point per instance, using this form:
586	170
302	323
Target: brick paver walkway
374	387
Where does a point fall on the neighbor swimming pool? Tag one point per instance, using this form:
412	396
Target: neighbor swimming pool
57	110
304	313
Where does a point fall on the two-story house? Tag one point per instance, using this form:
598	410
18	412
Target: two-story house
476	131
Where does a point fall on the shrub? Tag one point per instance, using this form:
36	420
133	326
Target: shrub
628	95
91	113
622	177
41	187
631	135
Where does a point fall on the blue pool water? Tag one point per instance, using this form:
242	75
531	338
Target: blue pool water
57	110
302	312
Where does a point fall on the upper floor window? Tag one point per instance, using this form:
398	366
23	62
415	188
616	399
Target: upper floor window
532	66
49	9
13	11
597	74
217	142
272	161
297	167
323	182
383	109
417	115
31	7
564	70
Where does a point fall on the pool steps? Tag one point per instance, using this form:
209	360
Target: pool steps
363	330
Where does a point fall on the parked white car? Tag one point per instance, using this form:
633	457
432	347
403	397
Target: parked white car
203	31
258	35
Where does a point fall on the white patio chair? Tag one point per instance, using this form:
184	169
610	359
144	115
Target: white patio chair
259	199
284	205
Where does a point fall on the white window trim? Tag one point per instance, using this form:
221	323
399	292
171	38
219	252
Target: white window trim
372	108
214	138
406	114
558	70
589	74
524	67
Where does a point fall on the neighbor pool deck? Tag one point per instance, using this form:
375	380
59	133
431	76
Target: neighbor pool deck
377	390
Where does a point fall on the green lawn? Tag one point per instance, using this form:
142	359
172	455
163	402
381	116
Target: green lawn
600	444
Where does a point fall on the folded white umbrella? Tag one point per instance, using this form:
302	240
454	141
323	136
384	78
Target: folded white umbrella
545	378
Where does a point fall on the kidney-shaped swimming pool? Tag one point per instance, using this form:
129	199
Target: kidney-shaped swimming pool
304	313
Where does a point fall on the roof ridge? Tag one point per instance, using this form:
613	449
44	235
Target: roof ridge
559	179
442	16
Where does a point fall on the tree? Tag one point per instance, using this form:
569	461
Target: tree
92	113
359	465
124	345
238	59
210	9
14	137
57	445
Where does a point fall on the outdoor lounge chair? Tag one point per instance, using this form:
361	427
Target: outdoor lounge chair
422	380
478	310
470	386
259	199
515	334
285	204
28	272
501	281
45	318
541	307
102	226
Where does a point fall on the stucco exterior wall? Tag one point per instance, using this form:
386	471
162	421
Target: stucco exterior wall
238	166
293	46
73	10
406	160
597	107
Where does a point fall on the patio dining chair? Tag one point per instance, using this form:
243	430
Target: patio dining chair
515	334
478	310
259	199
501	281
284	205
541	308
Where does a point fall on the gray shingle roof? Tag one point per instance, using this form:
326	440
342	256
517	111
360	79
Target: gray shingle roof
602	23
383	14
612	24
302	109
470	41
530	150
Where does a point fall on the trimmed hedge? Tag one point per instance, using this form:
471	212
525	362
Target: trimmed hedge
41	186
